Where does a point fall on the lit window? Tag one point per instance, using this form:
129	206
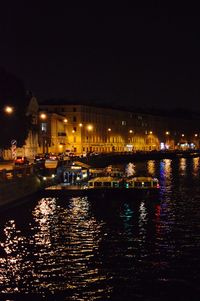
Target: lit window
44	126
123	122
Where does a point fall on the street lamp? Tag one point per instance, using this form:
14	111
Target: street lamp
43	117
89	128
8	110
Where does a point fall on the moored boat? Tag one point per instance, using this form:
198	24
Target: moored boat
112	186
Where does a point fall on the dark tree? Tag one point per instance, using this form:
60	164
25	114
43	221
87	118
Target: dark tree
14	125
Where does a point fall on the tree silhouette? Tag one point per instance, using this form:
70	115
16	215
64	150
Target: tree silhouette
15	125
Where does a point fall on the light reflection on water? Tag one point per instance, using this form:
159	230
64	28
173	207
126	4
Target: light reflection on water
87	249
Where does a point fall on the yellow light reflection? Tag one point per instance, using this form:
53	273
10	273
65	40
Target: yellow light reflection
151	167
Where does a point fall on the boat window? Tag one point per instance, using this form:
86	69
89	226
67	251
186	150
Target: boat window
138	184
97	184
155	184
115	184
107	184
91	184
147	184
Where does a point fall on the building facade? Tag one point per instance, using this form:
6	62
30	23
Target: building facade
82	129
60	127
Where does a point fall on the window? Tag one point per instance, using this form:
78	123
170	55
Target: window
74	118
74	128
74	109
44	127
123	122
61	134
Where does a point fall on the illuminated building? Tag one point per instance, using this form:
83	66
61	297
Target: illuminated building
83	128
61	126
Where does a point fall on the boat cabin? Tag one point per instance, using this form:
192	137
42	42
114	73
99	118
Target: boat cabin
104	182
142	183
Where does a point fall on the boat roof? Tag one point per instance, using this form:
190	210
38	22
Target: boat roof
83	165
143	179
105	179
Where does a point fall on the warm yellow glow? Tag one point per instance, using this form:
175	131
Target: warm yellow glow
150	132
167	133
80	124
43	116
131	131
8	110
65	120
90	127
73	131
109	130
182	135
196	135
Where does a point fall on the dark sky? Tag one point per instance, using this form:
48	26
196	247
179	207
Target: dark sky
147	55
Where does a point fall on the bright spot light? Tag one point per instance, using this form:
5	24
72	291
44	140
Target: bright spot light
65	120
43	116
89	127
8	110
44	178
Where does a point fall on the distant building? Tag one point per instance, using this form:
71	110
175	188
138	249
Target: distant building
83	128
57	127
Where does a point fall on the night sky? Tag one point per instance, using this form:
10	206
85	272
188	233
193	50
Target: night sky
147	56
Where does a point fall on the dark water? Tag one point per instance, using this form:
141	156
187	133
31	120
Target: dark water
118	249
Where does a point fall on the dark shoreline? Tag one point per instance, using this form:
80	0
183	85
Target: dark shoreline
104	160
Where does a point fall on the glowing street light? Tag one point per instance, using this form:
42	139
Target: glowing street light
150	132
183	135
43	116
90	127
109	129
131	131
8	110
80	124
65	120
167	133
196	135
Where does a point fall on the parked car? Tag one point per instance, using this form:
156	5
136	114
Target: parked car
39	158
53	157
20	160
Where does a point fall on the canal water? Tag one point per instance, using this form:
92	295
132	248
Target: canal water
118	249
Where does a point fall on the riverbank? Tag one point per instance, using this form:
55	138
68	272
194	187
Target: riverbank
103	160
